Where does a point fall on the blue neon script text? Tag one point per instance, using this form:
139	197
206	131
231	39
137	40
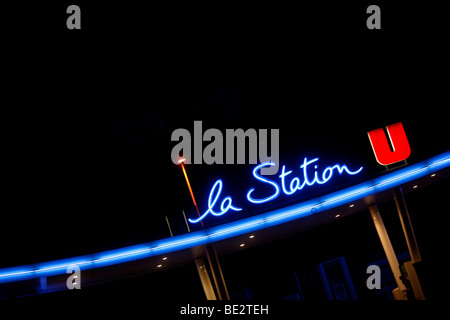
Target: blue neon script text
212	200
310	177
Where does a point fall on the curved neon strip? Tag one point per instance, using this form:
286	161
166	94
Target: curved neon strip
235	228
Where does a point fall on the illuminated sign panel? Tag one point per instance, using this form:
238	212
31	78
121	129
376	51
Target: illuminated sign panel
399	142
310	175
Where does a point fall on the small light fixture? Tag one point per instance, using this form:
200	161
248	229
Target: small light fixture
251	236
337	216
352	205
415	186
433	175
242	244
159	266
165	258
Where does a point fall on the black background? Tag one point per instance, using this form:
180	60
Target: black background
87	114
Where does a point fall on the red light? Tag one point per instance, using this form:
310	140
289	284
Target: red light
399	142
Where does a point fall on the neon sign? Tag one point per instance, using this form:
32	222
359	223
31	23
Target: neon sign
231	229
309	178
224	206
399	142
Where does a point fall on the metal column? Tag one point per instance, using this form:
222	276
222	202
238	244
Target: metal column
406	225
216	271
205	279
387	245
411	242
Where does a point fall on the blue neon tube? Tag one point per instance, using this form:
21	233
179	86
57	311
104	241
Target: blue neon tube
231	229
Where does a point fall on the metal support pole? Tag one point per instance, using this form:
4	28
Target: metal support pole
406	225
216	271
205	279
411	242
168	225
387	245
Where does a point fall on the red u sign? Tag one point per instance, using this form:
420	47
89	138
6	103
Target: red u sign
399	142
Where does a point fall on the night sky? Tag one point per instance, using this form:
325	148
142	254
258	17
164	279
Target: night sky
87	115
